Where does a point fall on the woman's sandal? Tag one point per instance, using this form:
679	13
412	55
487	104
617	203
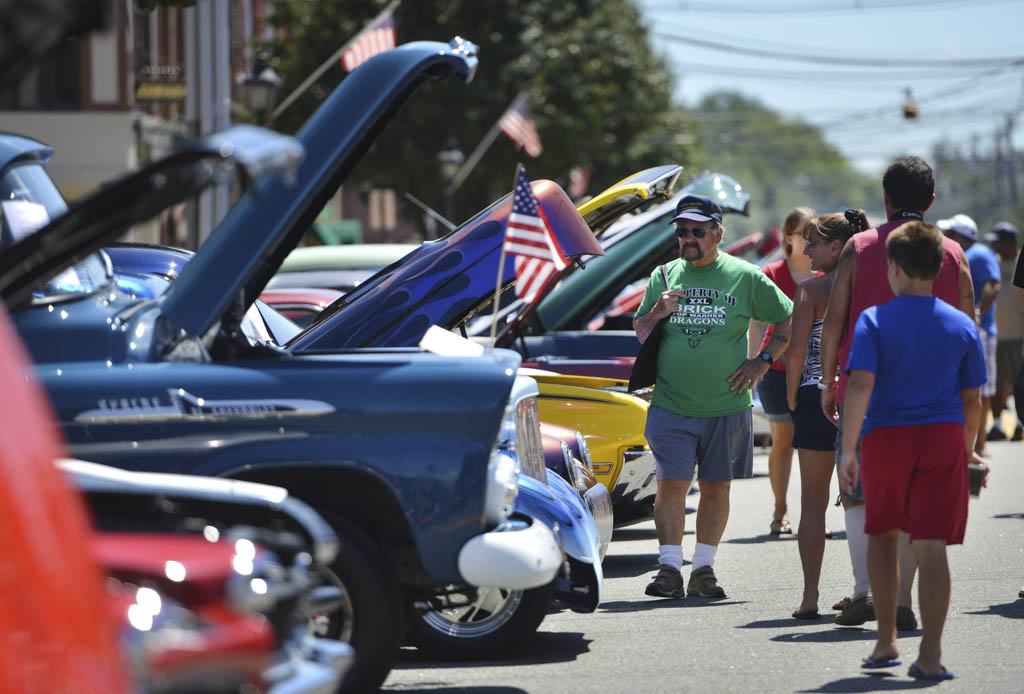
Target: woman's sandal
781	526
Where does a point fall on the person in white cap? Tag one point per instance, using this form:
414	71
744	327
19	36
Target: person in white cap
985	275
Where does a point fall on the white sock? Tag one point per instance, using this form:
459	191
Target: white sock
671	555
858	543
704	555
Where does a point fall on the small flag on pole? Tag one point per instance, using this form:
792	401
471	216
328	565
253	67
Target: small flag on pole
518	124
579	178
377	37
531	242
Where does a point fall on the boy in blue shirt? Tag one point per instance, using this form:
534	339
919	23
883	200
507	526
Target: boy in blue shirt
915	369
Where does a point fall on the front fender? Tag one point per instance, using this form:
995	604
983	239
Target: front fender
559	506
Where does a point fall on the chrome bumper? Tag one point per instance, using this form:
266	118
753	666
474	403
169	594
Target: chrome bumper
599	501
517	554
316	666
637	483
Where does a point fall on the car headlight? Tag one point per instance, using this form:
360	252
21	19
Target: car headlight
502	487
584	449
571	474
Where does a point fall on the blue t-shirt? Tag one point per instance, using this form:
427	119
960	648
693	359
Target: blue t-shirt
923	352
984	267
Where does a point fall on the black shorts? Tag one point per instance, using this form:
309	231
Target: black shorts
771	391
812	430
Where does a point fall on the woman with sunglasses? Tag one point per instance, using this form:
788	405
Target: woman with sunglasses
786	272
814	435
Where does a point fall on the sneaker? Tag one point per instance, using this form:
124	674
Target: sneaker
703	583
996	433
859	610
667	584
905	619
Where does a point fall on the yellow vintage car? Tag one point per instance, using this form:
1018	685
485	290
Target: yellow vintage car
612	423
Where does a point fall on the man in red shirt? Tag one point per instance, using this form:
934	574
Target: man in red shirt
909	190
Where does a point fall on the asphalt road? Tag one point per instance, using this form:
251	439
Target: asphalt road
748	642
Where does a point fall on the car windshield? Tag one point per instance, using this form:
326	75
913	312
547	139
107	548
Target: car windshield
29	201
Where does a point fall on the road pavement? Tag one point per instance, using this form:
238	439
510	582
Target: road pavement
748	642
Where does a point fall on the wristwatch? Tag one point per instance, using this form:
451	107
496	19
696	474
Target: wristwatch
766	357
826	385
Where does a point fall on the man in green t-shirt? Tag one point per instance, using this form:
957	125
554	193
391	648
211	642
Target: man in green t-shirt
700	413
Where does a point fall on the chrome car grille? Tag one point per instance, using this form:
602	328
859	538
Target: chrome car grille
529	448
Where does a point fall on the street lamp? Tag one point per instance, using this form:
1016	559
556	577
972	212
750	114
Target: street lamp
259	88
449	161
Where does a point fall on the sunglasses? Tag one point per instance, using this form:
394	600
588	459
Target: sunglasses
696	232
812	244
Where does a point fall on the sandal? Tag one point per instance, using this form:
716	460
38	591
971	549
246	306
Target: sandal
840	604
781	526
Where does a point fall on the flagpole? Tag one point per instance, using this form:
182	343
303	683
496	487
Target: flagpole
485	143
501	259
300	90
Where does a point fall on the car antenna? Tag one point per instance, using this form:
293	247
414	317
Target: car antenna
429	210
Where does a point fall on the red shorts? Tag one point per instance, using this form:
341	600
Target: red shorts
916	479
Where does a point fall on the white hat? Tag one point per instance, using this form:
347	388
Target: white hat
961	224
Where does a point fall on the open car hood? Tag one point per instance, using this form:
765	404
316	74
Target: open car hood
248	246
440	282
633	248
628	195
108	213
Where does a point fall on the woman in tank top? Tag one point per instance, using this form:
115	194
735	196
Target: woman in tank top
814	435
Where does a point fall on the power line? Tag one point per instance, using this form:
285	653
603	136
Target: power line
818	7
812	75
836	60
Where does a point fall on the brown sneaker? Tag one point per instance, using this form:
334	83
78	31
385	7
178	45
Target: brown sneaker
859	610
703	583
667	584
905	619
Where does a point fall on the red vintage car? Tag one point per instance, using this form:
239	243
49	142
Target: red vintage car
55	620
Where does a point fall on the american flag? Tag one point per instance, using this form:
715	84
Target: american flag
376	38
518	124
531	242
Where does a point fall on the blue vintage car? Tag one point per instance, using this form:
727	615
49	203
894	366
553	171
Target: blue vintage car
405	453
489	618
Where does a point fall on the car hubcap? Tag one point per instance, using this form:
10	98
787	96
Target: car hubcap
490	611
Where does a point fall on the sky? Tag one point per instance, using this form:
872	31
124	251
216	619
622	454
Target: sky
749	46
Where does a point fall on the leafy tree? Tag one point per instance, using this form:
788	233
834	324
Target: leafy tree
782	163
599	95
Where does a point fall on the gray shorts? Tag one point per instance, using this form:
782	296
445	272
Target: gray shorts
858	491
721	447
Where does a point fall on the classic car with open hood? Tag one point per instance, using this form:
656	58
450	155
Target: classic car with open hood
399	450
449	281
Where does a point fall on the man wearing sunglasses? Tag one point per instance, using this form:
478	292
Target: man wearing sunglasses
700	415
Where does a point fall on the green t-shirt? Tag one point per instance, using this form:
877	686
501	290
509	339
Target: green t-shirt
705	341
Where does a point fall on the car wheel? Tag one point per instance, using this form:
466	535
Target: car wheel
494	621
372	616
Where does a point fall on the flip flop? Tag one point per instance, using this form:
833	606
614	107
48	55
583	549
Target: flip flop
829	534
916	672
870	663
806	614
1020	594
784	527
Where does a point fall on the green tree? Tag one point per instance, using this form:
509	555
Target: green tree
598	93
782	163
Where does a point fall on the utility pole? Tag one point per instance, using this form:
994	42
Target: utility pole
1011	157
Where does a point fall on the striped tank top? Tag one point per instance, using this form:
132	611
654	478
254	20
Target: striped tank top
812	362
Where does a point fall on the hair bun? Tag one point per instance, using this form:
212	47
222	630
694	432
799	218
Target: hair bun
855	218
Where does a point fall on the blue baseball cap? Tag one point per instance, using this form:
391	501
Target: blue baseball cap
697	208
1002	229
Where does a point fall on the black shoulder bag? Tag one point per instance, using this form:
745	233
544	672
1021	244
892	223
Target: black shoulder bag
645	368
